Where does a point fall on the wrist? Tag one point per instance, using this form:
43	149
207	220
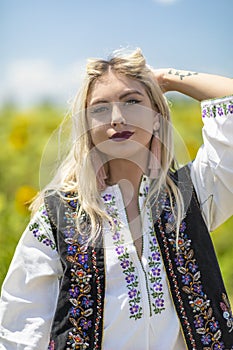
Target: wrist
169	79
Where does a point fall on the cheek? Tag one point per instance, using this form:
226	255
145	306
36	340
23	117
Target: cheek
144	137
97	123
142	119
98	132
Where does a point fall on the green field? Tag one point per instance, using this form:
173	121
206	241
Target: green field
23	135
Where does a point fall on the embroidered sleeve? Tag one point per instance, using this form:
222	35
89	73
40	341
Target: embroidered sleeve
41	229
212	170
30	289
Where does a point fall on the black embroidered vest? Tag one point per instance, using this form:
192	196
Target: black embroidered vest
193	273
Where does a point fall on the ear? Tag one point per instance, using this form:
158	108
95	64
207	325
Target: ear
156	123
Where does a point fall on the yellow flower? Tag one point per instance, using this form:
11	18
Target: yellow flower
18	137
23	196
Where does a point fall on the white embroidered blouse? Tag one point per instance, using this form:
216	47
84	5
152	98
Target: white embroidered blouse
139	312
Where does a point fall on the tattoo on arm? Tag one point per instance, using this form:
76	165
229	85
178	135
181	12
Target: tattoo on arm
182	74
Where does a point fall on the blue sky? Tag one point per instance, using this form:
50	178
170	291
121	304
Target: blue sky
45	43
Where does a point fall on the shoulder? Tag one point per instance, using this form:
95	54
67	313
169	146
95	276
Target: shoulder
60	206
54	198
183	180
182	176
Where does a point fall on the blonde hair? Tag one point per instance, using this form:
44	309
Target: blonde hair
73	173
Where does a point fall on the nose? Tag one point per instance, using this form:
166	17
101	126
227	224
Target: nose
117	117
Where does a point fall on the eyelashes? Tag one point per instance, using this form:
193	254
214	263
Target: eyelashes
107	107
99	109
132	101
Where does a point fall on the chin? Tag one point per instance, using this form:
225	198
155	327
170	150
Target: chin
123	150
133	155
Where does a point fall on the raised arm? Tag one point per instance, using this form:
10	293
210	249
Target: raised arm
200	86
211	171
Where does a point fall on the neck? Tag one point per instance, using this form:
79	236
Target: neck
127	171
123	169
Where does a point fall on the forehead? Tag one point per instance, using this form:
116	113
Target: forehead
111	85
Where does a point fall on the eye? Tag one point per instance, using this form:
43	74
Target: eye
99	109
132	101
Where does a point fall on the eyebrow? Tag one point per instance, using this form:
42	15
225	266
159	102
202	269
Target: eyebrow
121	97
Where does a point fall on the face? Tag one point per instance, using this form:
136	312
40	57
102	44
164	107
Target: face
120	116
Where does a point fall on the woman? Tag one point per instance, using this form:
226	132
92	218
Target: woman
117	254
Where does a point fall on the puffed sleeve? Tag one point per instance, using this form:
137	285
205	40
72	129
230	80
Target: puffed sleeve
30	290
212	170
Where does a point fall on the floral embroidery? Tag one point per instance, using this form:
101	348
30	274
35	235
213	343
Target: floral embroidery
85	291
155	287
154	260
123	256
204	321
38	230
81	301
99	300
154	263
44	214
80	289
227	313
222	109
160	205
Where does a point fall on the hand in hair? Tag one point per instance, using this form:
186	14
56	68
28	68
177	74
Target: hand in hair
161	77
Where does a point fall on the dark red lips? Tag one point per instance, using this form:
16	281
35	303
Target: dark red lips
121	136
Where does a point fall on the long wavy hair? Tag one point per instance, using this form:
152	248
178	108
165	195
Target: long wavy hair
76	173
